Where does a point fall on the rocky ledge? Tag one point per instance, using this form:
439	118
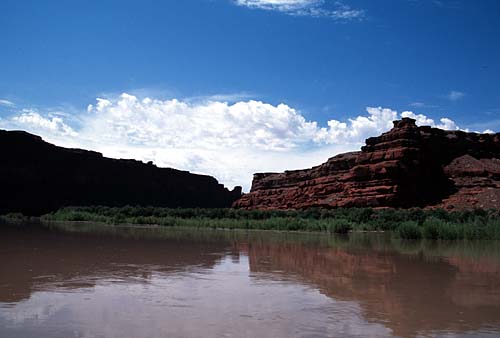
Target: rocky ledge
408	166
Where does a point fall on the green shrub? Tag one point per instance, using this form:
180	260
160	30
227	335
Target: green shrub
450	231
475	230
339	226
409	230
430	228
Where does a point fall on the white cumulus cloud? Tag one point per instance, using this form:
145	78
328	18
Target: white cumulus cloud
422	120
228	141
357	129
206	125
32	120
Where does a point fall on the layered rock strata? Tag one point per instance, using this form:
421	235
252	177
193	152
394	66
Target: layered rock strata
409	166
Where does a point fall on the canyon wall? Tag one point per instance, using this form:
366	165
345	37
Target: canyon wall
408	166
37	177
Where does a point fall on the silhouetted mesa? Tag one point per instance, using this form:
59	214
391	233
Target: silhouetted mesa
37	177
408	166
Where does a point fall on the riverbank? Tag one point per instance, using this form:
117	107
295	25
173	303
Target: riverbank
407	223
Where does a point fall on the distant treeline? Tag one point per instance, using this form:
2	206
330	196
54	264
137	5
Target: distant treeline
407	223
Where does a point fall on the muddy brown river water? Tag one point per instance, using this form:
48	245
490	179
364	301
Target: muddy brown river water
129	282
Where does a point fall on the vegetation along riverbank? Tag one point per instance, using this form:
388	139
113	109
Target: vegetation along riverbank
406	223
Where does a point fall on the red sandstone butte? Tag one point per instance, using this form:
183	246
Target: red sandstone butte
408	166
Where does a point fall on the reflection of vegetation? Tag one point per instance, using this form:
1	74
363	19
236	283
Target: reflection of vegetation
137	232
471	248
378	242
408	223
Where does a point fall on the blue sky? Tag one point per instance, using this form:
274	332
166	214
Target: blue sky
322	60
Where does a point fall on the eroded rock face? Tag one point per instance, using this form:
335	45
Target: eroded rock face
37	177
408	166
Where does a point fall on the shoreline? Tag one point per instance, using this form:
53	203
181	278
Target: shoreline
434	224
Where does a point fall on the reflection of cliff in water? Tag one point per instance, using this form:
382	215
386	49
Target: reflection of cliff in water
36	259
408	293
409	290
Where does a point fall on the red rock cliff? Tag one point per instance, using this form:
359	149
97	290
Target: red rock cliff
408	166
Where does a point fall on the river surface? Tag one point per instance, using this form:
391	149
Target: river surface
97	281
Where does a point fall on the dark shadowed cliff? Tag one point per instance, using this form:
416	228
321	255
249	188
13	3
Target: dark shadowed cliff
408	166
37	177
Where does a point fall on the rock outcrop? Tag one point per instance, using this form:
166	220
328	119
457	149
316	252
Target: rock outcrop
37	177
408	166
